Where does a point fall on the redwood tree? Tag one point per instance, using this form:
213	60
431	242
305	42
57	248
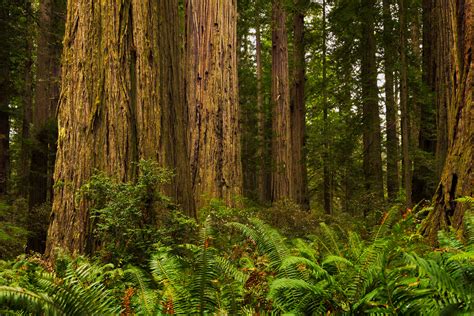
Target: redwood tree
297	106
119	103
282	153
391	108
453	24
5	91
372	133
212	100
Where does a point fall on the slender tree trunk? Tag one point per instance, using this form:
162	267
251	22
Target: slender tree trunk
405	116
371	119
49	39
423	168
212	99
116	105
5	88
442	98
262	176
4	142
454	86
390	105
27	103
282	153
298	108
326	171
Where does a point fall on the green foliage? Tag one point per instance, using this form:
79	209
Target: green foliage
13	233
127	216
333	271
78	292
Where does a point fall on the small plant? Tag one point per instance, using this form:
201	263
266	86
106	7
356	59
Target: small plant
125	215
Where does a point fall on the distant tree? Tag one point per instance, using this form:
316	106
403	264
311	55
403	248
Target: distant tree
372	138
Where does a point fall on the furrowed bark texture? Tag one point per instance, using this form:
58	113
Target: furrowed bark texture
282	154
372	163
454	49
212	99
393	182
115	105
298	110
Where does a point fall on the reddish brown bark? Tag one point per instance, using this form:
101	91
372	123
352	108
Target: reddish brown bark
118	104
282	154
298	108
454	87
212	100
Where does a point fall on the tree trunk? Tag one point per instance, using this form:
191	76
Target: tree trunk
326	171
371	119
454	86
4	141
50	34
262	176
393	183
423	174
116	107
212	99
282	152
5	88
405	116
27	103
298	110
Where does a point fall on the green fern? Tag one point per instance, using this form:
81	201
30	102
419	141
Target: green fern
76	294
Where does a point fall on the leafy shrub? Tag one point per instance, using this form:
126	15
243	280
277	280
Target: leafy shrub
126	216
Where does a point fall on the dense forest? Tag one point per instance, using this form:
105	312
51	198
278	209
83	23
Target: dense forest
236	157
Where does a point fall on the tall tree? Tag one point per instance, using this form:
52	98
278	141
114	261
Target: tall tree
119	103
424	175
404	110
262	177
327	198
282	153
5	91
390	104
371	119
212	99
298	107
51	22
453	24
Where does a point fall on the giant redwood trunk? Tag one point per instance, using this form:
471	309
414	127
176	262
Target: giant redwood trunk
119	103
372	163
298	110
282	154
454	75
212	100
